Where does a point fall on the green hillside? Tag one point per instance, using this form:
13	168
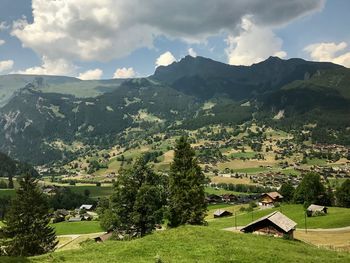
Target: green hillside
194	244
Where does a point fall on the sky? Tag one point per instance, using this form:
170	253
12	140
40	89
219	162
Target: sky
104	39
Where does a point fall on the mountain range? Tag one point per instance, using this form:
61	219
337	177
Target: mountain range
49	118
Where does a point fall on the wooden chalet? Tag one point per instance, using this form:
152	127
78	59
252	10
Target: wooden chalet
269	199
315	210
212	198
275	224
221	213
229	198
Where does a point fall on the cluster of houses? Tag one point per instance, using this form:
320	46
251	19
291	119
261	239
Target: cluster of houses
274	224
83	213
274	179
328	171
231	198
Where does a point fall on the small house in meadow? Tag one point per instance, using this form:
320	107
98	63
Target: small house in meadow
316	210
269	199
86	207
104	237
229	198
213	199
221	213
275	224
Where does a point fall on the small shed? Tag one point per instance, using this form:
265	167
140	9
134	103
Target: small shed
275	224
316	210
221	213
75	219
104	237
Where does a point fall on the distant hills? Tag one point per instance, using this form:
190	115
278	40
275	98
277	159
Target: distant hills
41	117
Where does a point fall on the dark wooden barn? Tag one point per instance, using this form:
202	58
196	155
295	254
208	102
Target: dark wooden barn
275	224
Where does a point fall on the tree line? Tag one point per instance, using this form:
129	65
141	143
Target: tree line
141	201
311	190
142	198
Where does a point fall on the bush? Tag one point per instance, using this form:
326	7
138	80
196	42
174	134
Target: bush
3	184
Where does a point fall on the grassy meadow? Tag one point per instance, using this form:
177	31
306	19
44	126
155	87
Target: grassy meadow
337	217
194	244
77	228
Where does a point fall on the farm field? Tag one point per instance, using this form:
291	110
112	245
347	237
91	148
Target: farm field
336	240
194	244
76	228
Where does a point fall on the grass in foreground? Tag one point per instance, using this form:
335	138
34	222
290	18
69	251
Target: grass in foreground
196	244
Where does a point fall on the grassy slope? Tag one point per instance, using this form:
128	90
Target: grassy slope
337	217
7	192
71	228
197	244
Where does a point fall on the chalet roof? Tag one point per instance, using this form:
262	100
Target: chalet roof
219	212
86	207
104	237
62	212
315	208
74	219
277	218
274	195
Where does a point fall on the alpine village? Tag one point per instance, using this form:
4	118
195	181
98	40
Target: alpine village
238	155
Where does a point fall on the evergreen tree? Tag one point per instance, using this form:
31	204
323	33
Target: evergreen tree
311	190
343	194
138	200
186	187
287	191
10	185
26	227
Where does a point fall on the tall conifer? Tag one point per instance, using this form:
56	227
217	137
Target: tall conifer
186	187
26	228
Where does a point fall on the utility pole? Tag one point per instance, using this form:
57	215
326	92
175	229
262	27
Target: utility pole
235	219
305	223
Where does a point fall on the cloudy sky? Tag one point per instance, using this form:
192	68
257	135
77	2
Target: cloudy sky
93	39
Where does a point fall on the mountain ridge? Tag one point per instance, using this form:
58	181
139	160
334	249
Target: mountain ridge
46	118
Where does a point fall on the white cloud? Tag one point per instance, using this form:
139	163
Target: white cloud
108	29
192	53
51	67
124	73
165	59
91	74
4	26
253	44
331	52
6	65
2	42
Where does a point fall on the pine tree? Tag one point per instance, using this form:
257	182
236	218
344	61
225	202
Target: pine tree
26	223
10	185
138	199
343	194
186	187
